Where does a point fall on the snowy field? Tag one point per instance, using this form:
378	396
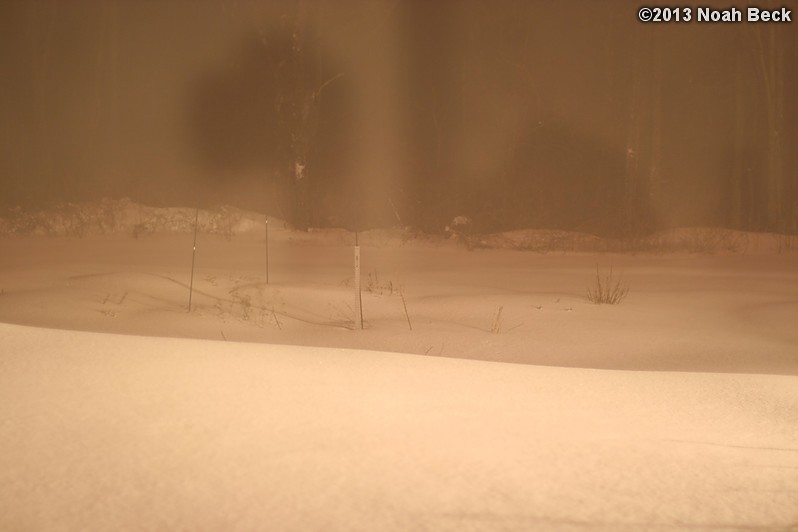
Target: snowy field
513	403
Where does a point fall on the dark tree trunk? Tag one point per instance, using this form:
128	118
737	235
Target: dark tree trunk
770	58
736	200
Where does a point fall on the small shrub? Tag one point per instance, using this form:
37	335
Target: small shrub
460	230
375	286
141	229
245	302
607	290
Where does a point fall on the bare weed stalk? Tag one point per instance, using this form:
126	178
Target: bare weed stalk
496	326
274	315
404	305
246	305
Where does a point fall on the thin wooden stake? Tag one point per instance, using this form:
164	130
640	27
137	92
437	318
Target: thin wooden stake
267	250
193	256
358	298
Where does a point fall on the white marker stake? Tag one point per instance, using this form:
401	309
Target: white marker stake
358	300
193	255
267	250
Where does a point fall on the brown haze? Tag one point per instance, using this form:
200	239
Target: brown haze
571	303
515	113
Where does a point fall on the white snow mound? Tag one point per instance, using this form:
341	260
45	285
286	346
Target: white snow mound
111	432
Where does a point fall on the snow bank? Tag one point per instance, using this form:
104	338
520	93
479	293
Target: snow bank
124	216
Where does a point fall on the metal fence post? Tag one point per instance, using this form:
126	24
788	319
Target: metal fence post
358	299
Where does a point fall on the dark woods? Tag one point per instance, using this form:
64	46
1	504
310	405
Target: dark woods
514	113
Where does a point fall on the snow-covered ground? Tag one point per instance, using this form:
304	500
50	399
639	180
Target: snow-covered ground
677	409
112	432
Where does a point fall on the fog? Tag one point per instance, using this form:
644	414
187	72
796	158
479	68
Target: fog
568	303
514	113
